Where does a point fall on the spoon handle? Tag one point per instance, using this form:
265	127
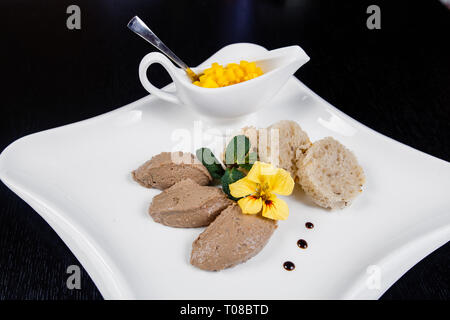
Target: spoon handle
140	28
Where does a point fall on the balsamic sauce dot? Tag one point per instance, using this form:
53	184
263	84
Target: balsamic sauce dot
309	225
289	266
302	244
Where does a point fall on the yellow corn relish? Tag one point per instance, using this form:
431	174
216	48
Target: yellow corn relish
219	76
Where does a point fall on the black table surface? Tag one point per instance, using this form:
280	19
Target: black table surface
395	80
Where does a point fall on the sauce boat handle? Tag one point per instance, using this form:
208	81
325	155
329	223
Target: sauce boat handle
147	61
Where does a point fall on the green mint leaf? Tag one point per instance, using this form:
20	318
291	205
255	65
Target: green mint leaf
249	161
236	175
246	166
211	163
231	175
237	149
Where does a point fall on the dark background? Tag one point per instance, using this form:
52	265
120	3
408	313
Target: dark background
395	80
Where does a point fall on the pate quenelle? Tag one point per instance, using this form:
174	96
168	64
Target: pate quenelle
186	204
167	168
231	239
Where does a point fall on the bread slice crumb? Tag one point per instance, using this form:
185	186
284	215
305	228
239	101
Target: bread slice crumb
279	144
330	174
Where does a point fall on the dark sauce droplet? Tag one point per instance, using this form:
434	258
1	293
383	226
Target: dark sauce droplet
289	266
302	244
309	225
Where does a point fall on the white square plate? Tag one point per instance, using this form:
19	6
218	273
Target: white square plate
77	177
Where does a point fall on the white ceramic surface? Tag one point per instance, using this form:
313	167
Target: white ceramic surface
235	100
77	177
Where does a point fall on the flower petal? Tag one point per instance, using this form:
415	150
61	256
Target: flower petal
242	188
281	182
276	209
254	172
259	170
250	205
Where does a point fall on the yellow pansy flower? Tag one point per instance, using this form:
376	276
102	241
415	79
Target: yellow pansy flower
258	190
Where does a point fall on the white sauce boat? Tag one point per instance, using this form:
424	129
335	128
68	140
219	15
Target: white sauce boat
231	101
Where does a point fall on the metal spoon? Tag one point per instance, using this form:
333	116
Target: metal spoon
140	28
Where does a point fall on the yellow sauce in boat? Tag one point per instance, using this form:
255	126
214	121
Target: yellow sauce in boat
218	76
